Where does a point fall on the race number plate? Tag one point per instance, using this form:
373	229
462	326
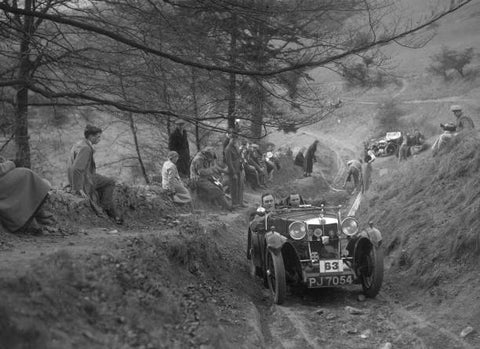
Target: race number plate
329	281
331	266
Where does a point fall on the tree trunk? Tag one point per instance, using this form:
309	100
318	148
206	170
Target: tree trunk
133	128
195	109
21	104
232	76
258	107
257	111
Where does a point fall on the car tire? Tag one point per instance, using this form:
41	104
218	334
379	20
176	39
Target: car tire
276	276
372	272
390	149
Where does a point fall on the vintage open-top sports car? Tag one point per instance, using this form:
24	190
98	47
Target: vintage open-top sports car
314	247
387	145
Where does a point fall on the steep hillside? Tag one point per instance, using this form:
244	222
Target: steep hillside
428	209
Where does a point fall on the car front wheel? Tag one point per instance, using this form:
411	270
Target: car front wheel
276	276
372	271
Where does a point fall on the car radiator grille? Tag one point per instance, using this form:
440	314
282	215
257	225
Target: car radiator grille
315	248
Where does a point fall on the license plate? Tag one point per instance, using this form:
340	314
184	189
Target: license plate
331	266
328	281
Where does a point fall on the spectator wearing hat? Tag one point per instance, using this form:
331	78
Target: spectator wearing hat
463	122
83	179
204	174
178	141
171	180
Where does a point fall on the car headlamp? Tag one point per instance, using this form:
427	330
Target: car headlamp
297	230
350	226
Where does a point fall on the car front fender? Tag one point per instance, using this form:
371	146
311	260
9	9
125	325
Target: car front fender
373	234
275	241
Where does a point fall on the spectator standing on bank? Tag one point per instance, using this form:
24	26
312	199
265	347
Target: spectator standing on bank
178	141
233	162
310	158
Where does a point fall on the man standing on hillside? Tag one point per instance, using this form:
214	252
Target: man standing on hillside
233	161
463	122
178	141
310	159
83	179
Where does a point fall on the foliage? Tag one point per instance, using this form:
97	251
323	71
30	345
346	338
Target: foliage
365	74
388	117
449	59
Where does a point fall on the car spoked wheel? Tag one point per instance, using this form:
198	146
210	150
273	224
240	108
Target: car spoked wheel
276	276
372	271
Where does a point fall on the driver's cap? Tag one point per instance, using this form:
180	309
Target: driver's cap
455	107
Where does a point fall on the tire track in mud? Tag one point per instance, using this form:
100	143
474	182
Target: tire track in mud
429	334
302	338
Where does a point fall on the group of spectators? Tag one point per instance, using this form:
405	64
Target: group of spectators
23	192
212	177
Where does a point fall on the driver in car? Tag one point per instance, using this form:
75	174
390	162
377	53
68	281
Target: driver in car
257	223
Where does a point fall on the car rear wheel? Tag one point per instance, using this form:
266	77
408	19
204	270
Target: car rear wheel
276	276
390	149
372	271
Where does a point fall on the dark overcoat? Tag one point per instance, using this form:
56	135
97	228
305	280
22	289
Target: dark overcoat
22	192
178	141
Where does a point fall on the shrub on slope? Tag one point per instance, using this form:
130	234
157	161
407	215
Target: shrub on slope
428	211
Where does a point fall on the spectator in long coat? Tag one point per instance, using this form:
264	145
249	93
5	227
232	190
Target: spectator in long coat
178	141
84	180
310	158
22	193
234	163
299	158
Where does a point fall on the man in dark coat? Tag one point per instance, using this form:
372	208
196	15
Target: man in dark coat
310	158
178	141
234	163
22	193
83	179
300	159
